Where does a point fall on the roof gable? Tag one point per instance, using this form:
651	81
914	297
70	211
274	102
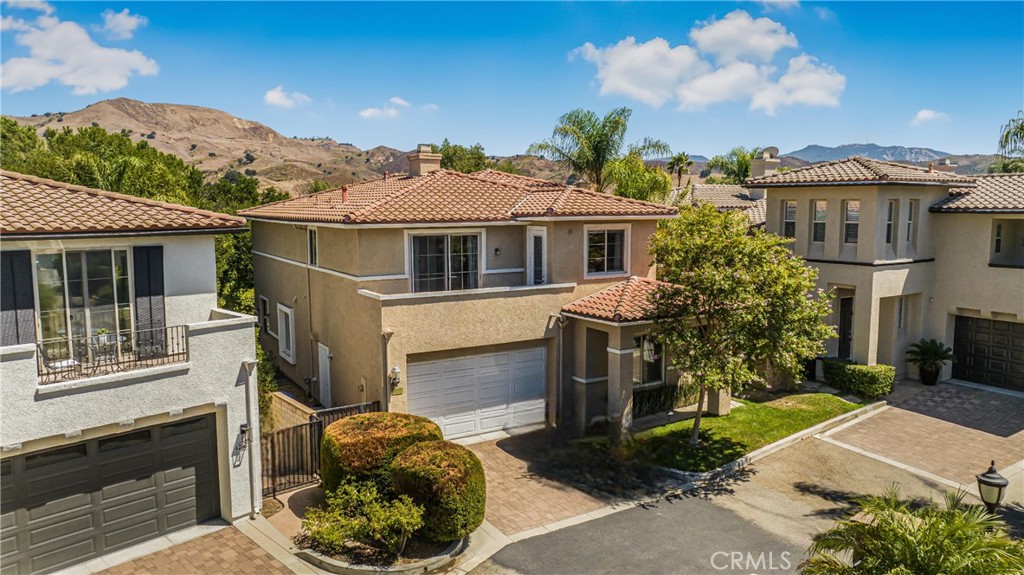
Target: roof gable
994	193
626	301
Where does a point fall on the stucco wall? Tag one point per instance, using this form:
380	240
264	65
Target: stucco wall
568	242
212	381
282	240
286	412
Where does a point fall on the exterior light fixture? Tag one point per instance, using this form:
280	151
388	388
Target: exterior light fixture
497	251
991	488
395	376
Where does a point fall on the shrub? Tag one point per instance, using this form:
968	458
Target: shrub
870	381
448	481
358	512
361	447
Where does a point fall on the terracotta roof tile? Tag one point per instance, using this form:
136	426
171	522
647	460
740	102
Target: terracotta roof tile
447	197
629	300
36	206
858	169
994	193
724	197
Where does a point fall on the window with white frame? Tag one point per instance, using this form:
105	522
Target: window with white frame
444	262
265	314
286	333
911	222
648	362
312	245
606	250
890	216
536	255
818	219
789	218
851	221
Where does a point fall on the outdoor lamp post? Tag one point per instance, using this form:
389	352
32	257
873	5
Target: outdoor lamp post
991	488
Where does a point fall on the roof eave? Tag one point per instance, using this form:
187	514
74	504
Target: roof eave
941	210
120	233
859	183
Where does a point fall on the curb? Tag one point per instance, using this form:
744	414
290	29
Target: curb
445	559
734	466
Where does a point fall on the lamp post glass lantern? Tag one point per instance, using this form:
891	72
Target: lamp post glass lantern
991	488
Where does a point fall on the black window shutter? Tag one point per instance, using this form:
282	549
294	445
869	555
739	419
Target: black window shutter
148	263
17	308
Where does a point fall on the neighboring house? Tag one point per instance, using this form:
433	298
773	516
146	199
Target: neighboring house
912	252
440	294
126	391
732	197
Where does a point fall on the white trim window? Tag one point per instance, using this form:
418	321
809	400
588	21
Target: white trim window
607	250
445	262
265	315
286	333
648	362
789	218
819	216
890	221
312	249
536	255
851	221
912	222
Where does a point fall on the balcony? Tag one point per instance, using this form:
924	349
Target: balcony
68	359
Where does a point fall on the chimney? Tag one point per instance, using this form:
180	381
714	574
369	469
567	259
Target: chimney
344	194
763	166
423	161
945	165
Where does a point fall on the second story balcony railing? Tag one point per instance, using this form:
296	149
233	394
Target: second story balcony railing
67	359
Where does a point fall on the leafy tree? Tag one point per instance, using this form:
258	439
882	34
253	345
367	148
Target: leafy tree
469	159
588	143
679	164
1011	147
634	179
735	302
735	166
317	186
896	537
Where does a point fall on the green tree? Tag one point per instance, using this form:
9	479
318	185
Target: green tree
895	537
735	302
587	143
317	186
1011	146
679	164
734	166
635	179
469	159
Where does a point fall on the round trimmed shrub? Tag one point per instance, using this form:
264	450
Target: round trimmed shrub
361	447
448	481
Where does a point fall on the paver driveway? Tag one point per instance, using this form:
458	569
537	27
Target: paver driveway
224	551
948	430
518	500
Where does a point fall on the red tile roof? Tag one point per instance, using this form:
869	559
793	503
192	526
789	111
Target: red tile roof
994	193
36	206
629	300
724	197
858	169
451	197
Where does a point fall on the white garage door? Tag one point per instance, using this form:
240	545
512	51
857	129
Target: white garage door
480	393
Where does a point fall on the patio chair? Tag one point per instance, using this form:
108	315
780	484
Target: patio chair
59	365
104	351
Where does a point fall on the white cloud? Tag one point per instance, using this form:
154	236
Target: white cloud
12	23
925	116
805	82
278	97
740	36
430	107
39	5
648	72
398	101
121	25
63	51
780	4
825	14
376	113
732	82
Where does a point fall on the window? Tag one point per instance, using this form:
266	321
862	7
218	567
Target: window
900	311
999	239
265	314
311	239
851	221
606	251
647	361
789	218
285	333
890	214
819	216
912	222
536	255
445	262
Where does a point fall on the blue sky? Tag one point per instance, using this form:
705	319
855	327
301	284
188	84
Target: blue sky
702	76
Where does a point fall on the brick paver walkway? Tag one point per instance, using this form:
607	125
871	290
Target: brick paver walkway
224	551
517	500
948	430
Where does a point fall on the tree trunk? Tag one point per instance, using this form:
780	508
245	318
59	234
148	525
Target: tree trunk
695	432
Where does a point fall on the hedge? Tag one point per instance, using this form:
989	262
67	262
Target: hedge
361	447
869	381
448	481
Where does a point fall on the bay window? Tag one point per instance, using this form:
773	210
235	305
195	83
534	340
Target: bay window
445	262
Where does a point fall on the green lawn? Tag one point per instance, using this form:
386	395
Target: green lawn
750	427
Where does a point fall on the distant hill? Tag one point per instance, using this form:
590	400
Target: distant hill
816	153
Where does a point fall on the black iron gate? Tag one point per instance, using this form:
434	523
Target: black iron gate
291	456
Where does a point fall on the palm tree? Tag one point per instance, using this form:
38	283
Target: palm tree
735	166
587	143
898	538
1011	141
679	164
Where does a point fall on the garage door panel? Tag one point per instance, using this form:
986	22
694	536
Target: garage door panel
64	556
71	504
130	507
70	527
989	352
133	533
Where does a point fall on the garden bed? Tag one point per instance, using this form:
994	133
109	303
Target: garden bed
417	551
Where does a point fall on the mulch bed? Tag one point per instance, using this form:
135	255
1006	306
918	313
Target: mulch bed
356	553
270	507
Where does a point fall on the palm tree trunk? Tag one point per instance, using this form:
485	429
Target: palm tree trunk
695	432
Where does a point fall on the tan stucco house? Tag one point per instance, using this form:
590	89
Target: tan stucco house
127	399
912	252
442	294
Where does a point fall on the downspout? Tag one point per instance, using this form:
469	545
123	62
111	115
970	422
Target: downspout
385	339
562	322
313	358
248	435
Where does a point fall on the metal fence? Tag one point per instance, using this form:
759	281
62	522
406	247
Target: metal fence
291	456
656	399
72	358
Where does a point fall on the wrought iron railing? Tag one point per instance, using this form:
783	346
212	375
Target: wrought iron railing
67	359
